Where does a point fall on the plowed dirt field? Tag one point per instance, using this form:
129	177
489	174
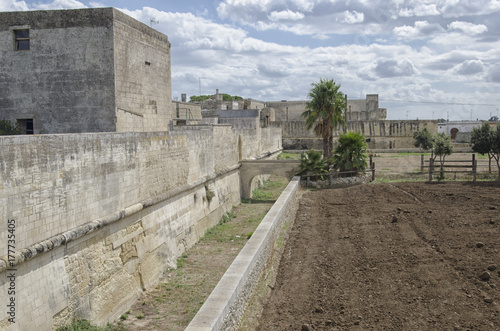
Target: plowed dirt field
402	256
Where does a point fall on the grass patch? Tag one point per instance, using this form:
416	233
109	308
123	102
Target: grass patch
289	156
479	156
84	325
181	261
260	194
275	184
226	218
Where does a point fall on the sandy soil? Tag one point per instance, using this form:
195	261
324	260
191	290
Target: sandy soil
402	256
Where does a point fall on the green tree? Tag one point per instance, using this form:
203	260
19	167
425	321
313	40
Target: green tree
199	98
9	128
312	163
349	155
481	141
442	147
423	139
324	112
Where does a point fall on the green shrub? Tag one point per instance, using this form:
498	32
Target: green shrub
313	163
9	128
349	155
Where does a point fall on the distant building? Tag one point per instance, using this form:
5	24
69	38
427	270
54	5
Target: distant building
357	109
460	131
83	70
452	128
362	115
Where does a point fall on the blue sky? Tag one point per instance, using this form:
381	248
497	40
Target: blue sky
425	59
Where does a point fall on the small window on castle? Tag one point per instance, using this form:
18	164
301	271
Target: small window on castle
26	124
22	38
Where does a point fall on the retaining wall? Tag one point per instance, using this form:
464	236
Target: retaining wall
99	217
226	304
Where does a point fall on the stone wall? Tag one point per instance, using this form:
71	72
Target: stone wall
100	217
287	111
379	134
64	82
240	119
187	111
86	70
142	76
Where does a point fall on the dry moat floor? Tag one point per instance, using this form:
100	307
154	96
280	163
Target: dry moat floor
381	256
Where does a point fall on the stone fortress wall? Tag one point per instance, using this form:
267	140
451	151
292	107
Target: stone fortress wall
100	216
361	116
86	70
380	134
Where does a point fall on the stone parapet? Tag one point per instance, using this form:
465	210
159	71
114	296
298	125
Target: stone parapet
226	304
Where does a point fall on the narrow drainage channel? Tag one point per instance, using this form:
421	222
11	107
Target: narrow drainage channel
182	291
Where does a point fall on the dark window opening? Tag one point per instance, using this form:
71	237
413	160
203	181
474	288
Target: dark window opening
26	125
22	38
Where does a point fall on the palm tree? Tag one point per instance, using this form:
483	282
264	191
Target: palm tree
324	112
349	155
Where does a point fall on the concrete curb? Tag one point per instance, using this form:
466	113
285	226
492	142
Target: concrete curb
226	304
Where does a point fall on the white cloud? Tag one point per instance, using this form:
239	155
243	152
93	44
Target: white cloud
421	29
285	15
60	4
420	10
353	17
394	68
12	5
468	28
469	67
97	4
494	74
457	8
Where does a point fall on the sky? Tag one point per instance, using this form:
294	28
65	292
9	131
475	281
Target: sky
425	59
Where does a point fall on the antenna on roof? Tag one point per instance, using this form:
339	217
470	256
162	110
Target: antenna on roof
153	21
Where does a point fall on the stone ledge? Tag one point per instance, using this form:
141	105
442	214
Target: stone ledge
47	245
225	306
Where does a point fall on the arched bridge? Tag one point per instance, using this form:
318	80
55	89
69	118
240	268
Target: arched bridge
251	168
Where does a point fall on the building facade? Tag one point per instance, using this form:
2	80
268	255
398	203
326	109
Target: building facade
83	70
357	109
361	115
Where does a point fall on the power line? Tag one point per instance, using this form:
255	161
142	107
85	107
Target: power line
442	103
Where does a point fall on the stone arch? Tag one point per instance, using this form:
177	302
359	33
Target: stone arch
453	133
252	168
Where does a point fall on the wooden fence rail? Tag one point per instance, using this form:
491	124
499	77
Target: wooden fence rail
450	164
334	174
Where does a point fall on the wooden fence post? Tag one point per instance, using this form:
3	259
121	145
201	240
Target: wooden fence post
431	168
421	162
373	171
474	168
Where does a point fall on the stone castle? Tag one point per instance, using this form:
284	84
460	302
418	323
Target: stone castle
99	215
